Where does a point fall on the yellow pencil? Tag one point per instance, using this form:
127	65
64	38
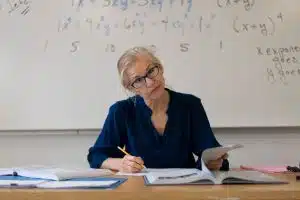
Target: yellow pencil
124	151
128	154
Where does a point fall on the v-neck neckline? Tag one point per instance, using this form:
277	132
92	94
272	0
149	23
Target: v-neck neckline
164	133
140	101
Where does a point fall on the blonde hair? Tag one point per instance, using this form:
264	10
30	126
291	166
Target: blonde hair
128	59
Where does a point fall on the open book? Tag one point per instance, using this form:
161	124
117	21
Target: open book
54	173
195	176
173	176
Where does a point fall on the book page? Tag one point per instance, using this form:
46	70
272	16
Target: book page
179	177
146	171
246	177
265	169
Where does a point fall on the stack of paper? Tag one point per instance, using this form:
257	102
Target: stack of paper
57	184
55	173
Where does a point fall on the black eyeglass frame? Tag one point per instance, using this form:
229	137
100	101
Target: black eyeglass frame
154	66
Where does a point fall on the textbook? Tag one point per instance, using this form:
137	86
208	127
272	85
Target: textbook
54	173
195	176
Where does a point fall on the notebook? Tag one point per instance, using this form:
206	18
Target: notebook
195	176
55	173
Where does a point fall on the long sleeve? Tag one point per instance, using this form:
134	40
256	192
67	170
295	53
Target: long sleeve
112	135
202	134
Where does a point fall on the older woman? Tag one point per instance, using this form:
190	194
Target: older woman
159	127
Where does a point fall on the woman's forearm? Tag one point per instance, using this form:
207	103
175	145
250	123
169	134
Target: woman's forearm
112	164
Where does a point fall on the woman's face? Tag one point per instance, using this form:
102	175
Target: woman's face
146	78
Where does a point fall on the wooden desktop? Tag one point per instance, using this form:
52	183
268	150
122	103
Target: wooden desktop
134	188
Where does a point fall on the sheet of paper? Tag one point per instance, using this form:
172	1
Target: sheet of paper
77	184
217	152
20	182
160	171
6	171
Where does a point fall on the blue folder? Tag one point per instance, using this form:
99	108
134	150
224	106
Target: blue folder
113	186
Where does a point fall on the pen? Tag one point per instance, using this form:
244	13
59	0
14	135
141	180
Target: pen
127	154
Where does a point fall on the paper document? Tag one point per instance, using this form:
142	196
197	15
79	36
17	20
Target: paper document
56	184
218	152
158	171
77	184
20	182
55	173
6	171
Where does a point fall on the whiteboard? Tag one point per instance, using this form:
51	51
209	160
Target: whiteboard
58	58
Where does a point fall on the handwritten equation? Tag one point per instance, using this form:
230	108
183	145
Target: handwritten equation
22	7
138	24
286	65
159	4
141	24
144	20
267	28
128	4
247	4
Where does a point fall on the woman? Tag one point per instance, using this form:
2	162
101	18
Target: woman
159	128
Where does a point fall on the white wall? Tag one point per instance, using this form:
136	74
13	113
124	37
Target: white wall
272	146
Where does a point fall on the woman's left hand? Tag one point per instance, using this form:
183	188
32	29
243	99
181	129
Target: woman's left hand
216	164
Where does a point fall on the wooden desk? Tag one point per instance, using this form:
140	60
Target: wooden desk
134	189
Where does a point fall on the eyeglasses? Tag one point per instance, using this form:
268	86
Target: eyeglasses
141	81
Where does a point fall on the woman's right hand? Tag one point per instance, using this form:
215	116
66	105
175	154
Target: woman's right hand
131	164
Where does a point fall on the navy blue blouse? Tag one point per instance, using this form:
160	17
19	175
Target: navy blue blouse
128	124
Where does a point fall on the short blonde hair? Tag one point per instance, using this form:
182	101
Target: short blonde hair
128	59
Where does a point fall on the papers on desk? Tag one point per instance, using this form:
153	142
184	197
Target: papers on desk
6	171
208	154
57	184
147	171
204	176
21	183
77	184
54	177
55	173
